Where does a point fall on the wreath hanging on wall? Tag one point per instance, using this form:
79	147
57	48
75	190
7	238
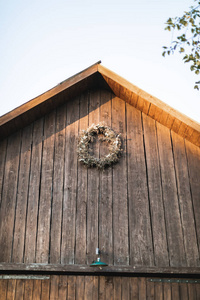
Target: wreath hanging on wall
109	136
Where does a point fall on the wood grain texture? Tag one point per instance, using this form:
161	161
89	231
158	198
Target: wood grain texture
80	287
125	289
183	288
105	188
54	284
155	193
58	185
102	291
171	204
62	288
71	288
82	193
93	184
193	158
142	288
59	287
28	289
134	289
70	184
158	290
37	287
45	290
22	196
167	293
19	290
117	288
141	250
150	290
120	205
185	201
9	194
34	192
44	213
11	286
143	212
3	289
3	148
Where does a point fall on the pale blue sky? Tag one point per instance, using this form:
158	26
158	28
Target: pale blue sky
45	42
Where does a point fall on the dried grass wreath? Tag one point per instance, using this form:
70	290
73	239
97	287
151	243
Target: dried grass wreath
109	136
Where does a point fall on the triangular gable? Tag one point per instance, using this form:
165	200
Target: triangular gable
98	76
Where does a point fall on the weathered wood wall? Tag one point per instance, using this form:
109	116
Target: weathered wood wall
144	211
97	288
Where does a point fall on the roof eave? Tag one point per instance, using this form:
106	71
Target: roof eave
88	78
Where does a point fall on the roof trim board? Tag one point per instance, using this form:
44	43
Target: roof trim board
151	106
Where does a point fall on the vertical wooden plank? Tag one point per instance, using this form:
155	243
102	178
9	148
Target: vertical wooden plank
117	288
198	291
9	193
120	206
185	201
105	194
141	249
63	286
167	293
54	287
125	289
71	288
155	192
95	290
175	291
171	205
193	157
158	288
33	195
91	287
102	288
11	290
23	183
134	290
80	287
19	291
28	289
37	285
45	290
183	291
93	184
192	291
3	148
109	288
3	288
142	288
58	178
81	205
70	183
150	290
44	213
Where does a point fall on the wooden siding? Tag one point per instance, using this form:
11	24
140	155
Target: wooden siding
98	288
144	211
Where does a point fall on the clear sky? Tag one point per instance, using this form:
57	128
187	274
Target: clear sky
45	42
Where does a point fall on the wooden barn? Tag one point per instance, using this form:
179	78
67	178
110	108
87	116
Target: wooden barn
141	208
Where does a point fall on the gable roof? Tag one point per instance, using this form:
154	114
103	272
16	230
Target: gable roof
93	77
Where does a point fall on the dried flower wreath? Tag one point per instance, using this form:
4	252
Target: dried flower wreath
109	136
